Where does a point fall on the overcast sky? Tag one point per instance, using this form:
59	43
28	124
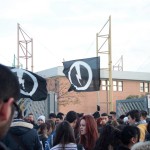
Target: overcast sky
66	30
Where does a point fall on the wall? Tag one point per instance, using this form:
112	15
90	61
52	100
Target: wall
86	102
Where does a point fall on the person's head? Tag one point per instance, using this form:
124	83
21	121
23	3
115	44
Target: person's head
40	120
44	128
143	115
80	115
71	117
64	134
121	118
96	115
52	116
110	137
112	115
88	131
59	118
52	124
9	94
30	117
104	117
130	135
133	116
61	114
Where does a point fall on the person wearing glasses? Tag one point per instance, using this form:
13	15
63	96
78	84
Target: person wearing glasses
9	94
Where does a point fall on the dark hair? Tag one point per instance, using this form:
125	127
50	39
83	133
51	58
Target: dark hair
104	114
109	136
148	127
144	113
9	85
64	134
52	115
135	114
60	113
80	115
60	116
96	115
129	132
112	113
122	116
30	114
71	116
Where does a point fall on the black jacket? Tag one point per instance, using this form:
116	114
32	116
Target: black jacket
3	147
22	136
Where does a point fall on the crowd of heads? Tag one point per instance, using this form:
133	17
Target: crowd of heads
96	131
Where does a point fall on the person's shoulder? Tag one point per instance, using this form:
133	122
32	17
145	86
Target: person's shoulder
142	126
3	147
55	147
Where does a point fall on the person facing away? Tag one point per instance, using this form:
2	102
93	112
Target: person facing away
88	132
129	136
9	94
109	138
22	135
64	139
71	117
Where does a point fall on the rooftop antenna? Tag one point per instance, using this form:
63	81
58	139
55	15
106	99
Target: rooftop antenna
119	64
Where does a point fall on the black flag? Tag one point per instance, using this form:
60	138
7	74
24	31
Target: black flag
83	74
31	85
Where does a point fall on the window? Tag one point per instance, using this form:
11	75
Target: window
117	85
104	84
120	86
144	87
114	85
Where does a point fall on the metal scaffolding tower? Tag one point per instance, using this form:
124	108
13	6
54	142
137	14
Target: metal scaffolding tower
25	48
106	38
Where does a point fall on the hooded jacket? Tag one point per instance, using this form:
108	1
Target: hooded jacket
22	136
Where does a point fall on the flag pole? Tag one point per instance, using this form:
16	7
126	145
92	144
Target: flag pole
98	92
110	67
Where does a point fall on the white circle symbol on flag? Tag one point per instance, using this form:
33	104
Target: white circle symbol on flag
77	65
20	73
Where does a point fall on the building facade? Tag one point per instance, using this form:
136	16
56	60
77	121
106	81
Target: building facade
125	84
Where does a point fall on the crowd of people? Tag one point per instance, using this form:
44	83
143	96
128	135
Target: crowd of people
71	131
75	131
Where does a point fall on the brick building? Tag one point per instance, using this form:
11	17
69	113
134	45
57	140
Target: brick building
125	83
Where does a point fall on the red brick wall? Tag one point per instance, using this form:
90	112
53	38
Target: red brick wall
86	102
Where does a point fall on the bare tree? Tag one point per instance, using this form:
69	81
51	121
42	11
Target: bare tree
60	86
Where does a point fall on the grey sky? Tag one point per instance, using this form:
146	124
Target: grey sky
66	29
